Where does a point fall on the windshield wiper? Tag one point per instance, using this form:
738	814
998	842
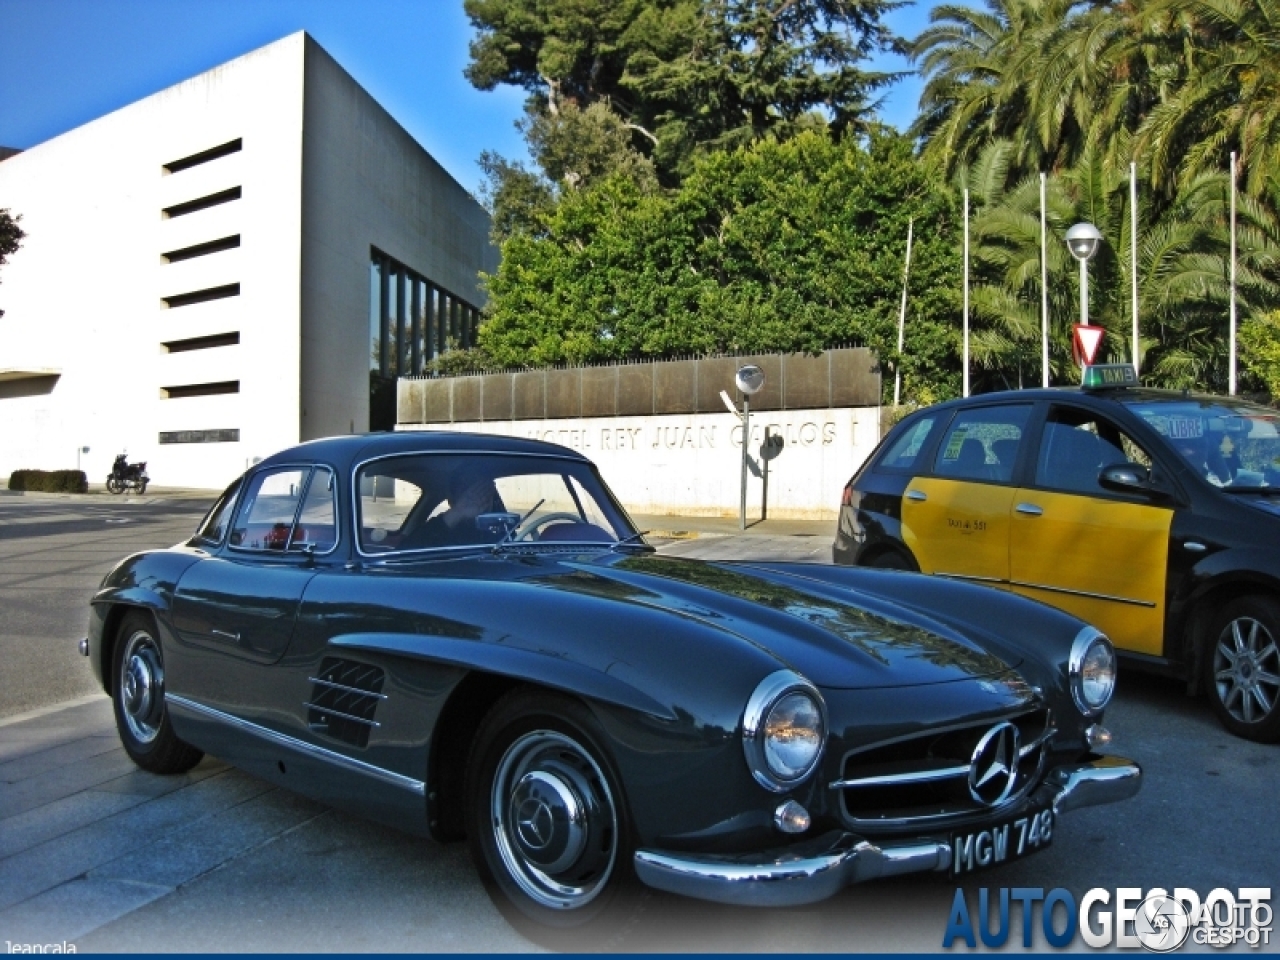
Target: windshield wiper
506	537
627	541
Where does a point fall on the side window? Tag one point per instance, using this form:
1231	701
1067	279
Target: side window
983	444
317	521
214	526
904	451
1076	445
265	521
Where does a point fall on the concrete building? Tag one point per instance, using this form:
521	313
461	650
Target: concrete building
237	263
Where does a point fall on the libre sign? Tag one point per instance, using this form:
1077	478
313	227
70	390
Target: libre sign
1085	340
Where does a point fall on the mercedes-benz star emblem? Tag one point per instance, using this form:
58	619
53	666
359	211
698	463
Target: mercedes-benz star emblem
993	769
535	822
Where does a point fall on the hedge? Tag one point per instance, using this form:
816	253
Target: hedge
50	481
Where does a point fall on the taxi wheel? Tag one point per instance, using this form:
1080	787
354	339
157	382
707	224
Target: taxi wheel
892	560
1242	665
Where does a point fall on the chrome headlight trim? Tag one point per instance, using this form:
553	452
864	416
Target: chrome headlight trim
768	693
1085	641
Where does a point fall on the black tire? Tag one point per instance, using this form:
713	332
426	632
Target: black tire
1242	667
565	885
891	560
114	484
141	486
137	685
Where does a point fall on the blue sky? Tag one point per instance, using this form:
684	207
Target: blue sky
66	62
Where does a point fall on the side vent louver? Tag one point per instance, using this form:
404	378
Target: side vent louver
344	698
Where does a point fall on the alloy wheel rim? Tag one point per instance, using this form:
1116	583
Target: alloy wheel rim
142	687
1246	670
554	820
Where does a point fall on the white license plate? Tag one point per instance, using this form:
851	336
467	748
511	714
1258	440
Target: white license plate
994	845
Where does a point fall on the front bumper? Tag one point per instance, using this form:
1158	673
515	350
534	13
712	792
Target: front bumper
815	870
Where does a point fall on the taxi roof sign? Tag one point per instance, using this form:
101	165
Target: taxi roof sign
1101	376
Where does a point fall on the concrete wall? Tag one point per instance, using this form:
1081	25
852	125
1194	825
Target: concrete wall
691	464
664	439
367	183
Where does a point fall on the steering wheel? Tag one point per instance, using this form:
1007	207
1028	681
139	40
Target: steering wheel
533	528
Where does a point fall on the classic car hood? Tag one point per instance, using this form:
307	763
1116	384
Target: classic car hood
836	637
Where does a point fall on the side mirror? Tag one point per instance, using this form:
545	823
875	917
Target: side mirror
1130	478
497	524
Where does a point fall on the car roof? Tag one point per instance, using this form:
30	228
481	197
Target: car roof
346	451
1116	394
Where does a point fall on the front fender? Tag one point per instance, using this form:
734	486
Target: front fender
545	669
1255	565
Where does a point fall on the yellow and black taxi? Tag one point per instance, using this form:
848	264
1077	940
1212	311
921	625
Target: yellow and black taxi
1152	514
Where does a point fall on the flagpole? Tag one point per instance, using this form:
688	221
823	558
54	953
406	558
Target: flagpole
1044	293
902	318
1133	255
1231	372
966	291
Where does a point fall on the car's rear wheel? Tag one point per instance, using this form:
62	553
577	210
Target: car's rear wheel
547	823
890	560
1242	666
138	700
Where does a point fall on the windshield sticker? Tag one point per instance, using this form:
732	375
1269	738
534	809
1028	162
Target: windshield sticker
1182	428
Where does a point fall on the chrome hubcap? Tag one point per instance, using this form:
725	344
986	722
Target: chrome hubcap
554	821
1246	670
142	687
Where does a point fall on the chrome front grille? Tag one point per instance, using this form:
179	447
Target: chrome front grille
925	780
344	699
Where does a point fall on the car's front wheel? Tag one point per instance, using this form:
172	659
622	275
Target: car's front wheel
547	822
1243	668
142	719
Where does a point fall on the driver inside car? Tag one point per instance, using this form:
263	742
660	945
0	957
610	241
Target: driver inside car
1207	456
471	493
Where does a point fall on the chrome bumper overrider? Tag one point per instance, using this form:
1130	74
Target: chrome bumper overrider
812	871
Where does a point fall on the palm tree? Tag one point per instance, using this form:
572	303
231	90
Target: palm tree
1230	99
1182	272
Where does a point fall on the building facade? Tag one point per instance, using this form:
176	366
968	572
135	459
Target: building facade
240	262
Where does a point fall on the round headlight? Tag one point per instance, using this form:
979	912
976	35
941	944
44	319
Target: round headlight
1093	671
784	729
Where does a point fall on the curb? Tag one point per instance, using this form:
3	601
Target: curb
52	708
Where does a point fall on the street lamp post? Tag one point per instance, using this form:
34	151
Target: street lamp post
1083	241
749	380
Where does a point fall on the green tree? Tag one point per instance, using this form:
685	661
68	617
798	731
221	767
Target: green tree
11	237
786	246
680	75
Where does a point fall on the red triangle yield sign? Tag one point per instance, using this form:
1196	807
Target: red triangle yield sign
1085	340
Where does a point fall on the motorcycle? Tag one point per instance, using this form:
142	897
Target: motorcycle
128	476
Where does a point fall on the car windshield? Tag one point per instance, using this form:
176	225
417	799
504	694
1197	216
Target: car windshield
434	501
1232	444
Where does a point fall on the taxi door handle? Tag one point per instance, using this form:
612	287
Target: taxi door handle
916	495
1030	509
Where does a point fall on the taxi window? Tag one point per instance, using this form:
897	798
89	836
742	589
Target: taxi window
1076	445
983	444
904	451
1231	444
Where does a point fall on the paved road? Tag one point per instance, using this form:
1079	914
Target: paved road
96	852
